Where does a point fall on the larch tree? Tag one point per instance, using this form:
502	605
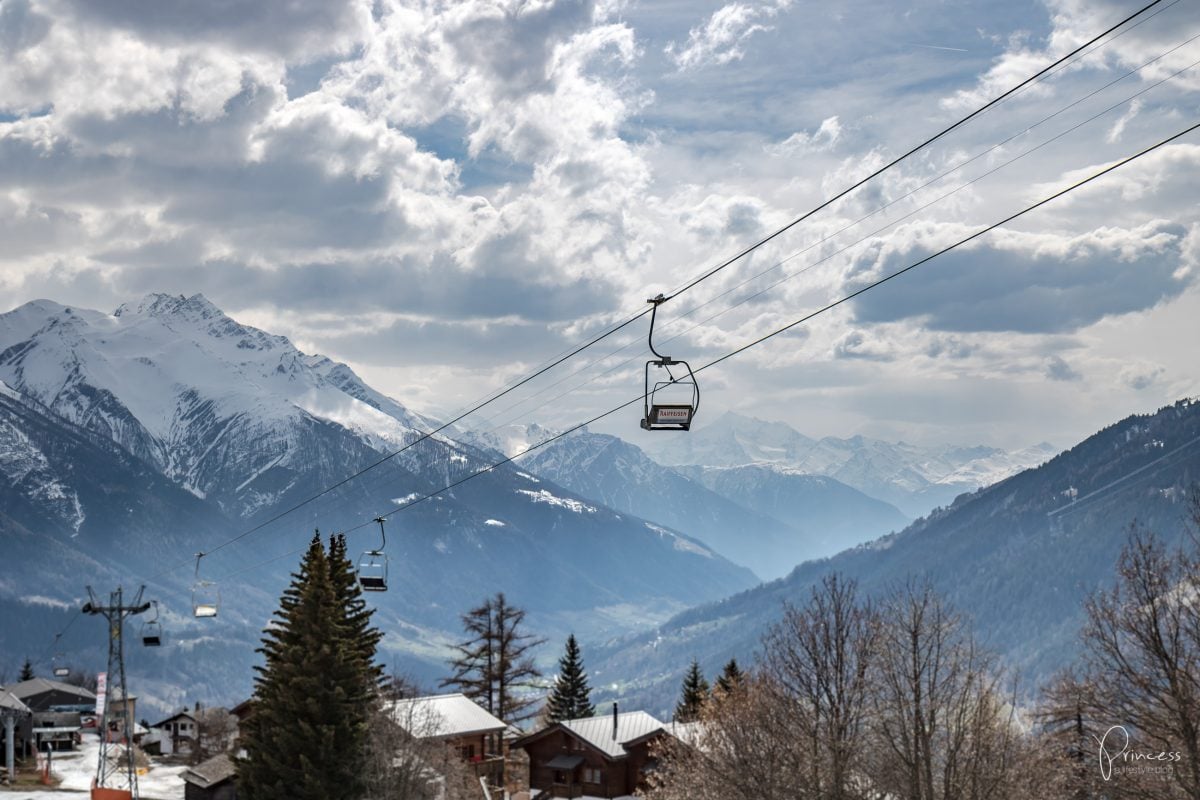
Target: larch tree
495	663
693	694
571	696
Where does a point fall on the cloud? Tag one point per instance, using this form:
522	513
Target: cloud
720	40
823	138
1017	281
1141	375
1059	370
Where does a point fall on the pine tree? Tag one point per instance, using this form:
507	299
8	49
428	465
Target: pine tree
571	697
495	663
27	671
306	737
693	695
731	678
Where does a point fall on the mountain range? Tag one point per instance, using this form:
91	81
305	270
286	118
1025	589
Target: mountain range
132	440
135	439
1018	558
915	479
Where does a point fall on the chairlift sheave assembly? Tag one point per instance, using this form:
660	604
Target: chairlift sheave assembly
671	404
373	565
152	629
206	596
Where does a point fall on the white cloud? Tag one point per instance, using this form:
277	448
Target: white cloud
721	39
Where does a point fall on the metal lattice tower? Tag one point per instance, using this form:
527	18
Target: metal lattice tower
118	774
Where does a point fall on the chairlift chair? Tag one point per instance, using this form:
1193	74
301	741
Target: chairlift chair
152	629
671	404
373	565
60	669
206	596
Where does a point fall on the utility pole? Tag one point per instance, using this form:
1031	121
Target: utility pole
116	779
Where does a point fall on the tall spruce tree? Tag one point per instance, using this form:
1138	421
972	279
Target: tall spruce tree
27	671
693	695
571	696
495	662
307	735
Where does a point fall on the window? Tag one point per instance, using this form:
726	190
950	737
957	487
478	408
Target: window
591	775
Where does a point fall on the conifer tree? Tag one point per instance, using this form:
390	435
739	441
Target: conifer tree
495	663
306	737
693	695
731	678
27	671
571	697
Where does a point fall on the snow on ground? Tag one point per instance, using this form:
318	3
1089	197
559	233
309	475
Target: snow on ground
77	769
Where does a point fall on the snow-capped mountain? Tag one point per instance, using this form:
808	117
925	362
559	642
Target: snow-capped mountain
134	439
179	384
913	478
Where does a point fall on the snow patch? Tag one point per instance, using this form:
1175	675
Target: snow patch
495	522
544	496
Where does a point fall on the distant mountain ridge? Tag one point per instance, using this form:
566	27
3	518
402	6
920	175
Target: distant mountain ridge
770	522
913	478
1017	557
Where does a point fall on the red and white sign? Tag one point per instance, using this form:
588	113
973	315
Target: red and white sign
101	692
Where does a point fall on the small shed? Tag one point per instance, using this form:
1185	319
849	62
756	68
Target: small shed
215	779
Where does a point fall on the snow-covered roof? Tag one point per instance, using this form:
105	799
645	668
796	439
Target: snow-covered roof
443	716
599	732
36	686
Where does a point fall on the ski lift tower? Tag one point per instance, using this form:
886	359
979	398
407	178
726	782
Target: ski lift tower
116	778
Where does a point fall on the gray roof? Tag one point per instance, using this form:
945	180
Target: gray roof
443	716
10	702
36	686
598	731
217	769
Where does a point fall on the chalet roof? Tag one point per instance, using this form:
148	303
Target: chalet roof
443	716
217	769
173	717
11	703
36	686
601	733
598	731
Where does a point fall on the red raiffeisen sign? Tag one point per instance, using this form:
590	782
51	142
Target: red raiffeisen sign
673	413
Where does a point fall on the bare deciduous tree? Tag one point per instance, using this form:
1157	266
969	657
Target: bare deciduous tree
405	761
1142	650
819	657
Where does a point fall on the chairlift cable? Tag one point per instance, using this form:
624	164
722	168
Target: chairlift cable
490	422
982	109
766	337
790	276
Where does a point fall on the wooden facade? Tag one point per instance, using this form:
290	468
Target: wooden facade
565	765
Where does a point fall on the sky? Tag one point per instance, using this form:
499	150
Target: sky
447	195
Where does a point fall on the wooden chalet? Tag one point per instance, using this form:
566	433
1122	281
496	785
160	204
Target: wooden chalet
598	757
214	779
472	732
